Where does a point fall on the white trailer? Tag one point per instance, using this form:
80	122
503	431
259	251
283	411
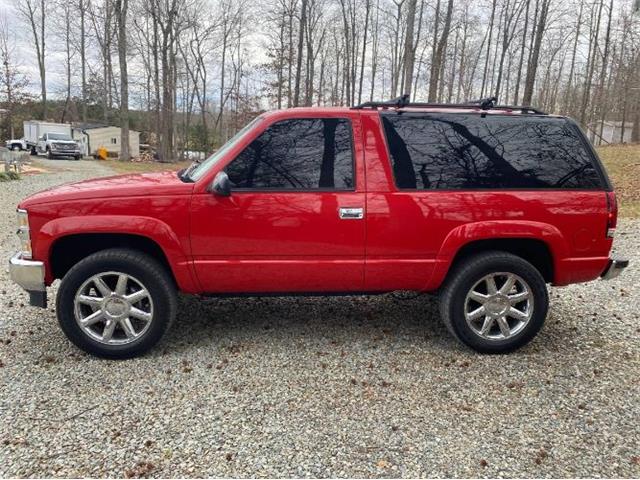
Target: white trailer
35	129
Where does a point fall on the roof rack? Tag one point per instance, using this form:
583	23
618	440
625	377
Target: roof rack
489	103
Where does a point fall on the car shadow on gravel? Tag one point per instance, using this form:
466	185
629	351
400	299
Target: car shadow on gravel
404	320
397	320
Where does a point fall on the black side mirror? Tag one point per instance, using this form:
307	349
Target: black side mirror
221	185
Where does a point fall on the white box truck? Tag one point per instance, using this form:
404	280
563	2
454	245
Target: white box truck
52	139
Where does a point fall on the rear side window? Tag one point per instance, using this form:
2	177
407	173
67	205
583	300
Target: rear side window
457	151
300	154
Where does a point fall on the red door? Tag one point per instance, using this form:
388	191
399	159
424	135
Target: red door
294	221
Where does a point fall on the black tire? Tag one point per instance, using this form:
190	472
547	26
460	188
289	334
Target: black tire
49	154
34	151
466	275
77	157
149	272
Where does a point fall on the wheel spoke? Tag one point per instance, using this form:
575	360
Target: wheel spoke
477	313
518	297
95	317
102	287
504	326
135	297
128	328
139	314
517	314
107	333
486	325
508	285
492	289
478	297
93	302
121	286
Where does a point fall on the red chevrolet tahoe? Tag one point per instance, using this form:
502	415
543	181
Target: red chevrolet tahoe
485	205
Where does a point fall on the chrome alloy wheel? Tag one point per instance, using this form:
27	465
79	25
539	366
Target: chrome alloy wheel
498	306
113	308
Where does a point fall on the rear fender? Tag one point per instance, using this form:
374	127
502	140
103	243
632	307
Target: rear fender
497	229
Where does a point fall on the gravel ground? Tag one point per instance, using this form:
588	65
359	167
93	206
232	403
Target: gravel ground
355	386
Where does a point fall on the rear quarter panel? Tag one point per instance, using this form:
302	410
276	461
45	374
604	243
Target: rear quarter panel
413	236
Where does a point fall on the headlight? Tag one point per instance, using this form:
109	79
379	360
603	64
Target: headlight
23	233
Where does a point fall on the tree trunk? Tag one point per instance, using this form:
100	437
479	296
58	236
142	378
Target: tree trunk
121	10
83	59
409	50
303	20
535	55
437	63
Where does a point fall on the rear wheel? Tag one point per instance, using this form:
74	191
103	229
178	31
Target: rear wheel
117	303
494	302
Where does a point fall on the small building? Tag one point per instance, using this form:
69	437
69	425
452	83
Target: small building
611	132
92	136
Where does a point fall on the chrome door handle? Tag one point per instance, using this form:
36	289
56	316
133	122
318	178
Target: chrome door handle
351	213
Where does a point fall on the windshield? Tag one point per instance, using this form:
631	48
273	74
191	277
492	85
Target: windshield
58	136
199	170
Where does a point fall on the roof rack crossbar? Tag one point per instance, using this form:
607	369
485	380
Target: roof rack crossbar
483	104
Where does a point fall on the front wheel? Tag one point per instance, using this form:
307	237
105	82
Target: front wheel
494	302
117	303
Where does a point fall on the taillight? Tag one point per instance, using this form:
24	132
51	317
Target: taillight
612	214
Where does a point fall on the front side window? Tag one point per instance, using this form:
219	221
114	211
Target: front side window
470	151
297	154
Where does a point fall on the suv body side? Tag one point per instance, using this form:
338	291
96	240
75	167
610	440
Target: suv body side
294	241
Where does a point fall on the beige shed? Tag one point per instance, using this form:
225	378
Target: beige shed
92	137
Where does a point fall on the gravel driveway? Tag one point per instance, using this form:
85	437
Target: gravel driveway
354	386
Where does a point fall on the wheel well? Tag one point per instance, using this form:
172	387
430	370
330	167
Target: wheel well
69	250
536	252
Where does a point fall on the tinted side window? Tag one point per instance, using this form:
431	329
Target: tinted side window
301	154
456	151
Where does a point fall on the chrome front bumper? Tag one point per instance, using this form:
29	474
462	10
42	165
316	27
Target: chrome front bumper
29	274
614	268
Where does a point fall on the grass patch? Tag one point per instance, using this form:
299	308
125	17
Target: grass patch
143	167
8	176
623	166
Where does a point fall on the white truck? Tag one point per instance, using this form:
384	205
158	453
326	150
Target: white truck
51	139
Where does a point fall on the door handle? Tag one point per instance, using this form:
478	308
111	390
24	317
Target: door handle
351	213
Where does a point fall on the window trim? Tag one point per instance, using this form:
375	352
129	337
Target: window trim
605	184
301	190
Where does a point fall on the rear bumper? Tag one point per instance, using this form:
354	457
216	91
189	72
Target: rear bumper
29	274
614	268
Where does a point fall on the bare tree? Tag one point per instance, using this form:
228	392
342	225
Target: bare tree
34	11
121	11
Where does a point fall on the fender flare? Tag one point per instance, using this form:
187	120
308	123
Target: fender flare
147	227
465	234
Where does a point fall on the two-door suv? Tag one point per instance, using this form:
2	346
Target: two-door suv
484	204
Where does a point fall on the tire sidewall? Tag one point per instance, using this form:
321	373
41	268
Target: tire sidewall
468	277
163	308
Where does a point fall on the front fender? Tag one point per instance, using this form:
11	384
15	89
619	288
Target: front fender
151	228
497	229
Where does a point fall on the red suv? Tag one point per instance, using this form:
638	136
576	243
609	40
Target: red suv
484	204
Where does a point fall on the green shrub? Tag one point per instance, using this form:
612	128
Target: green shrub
8	176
